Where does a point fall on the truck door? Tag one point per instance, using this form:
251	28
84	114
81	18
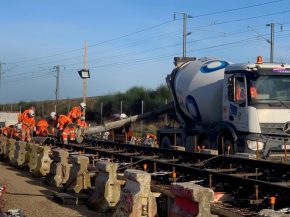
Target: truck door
236	103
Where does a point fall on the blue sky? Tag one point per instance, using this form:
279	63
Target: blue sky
130	42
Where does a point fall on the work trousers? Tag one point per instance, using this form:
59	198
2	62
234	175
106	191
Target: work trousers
26	134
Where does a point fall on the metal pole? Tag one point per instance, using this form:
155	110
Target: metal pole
121	111
272	43
1	73
57	69
142	120
85	90
101	112
166	118
85	80
42	110
184	33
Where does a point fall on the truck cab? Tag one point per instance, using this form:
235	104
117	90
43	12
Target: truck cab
256	103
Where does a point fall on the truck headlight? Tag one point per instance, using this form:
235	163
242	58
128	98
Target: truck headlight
253	145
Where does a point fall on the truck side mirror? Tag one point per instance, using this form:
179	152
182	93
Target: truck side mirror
231	88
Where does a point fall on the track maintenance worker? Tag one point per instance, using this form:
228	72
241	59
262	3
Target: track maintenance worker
77	112
42	128
253	92
82	123
10	131
60	126
27	120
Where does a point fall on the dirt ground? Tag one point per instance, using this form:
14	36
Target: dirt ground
34	197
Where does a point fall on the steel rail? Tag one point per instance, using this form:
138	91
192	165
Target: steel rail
191	173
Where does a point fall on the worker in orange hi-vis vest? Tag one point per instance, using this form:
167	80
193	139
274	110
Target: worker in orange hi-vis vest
10	131
27	120
69	131
59	126
82	123
42	128
76	112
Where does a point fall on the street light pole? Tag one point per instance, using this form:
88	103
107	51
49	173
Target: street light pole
84	74
85	67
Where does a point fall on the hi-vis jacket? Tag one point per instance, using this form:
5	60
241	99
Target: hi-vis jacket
75	113
27	122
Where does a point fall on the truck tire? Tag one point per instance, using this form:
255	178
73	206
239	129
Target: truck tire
229	146
165	142
203	142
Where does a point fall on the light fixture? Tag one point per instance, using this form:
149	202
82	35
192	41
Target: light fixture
84	73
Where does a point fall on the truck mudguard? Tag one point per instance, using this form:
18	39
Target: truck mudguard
225	126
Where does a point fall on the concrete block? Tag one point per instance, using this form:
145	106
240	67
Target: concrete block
271	213
20	156
136	197
60	168
79	177
3	142
60	155
11	149
191	200
6	147
210	151
33	154
107	188
43	161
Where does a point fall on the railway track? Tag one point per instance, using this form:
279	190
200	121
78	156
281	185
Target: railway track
251	183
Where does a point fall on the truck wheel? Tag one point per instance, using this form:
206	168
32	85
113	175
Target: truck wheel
229	147
205	144
165	142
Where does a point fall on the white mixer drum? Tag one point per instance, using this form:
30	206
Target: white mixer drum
199	89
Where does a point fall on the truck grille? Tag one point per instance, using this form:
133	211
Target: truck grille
272	129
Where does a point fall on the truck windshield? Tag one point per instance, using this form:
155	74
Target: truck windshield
269	88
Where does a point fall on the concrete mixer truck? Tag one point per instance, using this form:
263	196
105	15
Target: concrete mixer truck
229	108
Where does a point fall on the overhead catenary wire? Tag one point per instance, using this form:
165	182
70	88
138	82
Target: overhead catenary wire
173	45
236	9
144	51
143	60
53	62
146	29
93	45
